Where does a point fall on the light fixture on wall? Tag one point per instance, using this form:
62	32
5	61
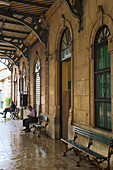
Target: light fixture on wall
6	3
48	55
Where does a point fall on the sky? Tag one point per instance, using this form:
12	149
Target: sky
4	73
2	66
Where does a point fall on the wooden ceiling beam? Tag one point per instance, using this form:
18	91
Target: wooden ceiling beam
6	46
32	3
16	31
11	37
12	22
2	49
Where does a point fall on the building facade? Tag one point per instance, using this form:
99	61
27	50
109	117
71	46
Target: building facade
71	81
5	86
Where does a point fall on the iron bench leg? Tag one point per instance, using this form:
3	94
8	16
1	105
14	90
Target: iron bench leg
67	149
79	159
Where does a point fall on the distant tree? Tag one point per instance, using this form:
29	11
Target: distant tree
7	100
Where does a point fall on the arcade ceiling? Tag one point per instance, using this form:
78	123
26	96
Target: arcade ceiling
18	18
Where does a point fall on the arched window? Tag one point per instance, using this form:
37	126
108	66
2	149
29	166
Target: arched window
37	86
24	81
24	89
102	79
15	88
66	38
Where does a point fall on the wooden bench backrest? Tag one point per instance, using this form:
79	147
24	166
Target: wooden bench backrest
93	135
44	118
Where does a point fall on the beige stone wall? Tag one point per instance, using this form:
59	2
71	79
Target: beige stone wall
82	65
82	106
81	112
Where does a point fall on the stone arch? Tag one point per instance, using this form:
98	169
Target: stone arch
104	19
64	24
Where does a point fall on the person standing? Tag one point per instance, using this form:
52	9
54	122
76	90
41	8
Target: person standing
31	118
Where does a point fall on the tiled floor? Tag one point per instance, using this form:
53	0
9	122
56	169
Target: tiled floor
25	151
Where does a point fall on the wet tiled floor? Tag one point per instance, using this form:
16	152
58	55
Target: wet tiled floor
25	151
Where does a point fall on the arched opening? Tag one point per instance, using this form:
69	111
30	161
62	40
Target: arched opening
24	96
102	79
5	87
65	82
37	87
24	89
15	88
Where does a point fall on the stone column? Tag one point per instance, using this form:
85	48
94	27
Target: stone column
46	87
28	83
91	85
56	91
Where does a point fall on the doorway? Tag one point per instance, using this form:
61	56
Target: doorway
65	83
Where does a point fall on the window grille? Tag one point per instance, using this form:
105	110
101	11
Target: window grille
102	79
37	86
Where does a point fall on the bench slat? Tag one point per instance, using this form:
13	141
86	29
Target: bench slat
38	125
95	138
44	118
87	131
92	135
84	149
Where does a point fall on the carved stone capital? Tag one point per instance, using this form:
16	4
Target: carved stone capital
90	52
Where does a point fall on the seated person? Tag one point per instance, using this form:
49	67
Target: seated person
9	109
31	118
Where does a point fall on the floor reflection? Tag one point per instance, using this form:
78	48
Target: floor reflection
25	151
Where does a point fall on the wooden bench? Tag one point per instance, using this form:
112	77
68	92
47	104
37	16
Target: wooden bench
41	125
15	114
85	151
31	123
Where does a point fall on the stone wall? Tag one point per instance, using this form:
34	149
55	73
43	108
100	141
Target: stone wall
82	97
81	113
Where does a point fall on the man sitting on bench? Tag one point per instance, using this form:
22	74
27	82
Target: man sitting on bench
31	118
9	109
